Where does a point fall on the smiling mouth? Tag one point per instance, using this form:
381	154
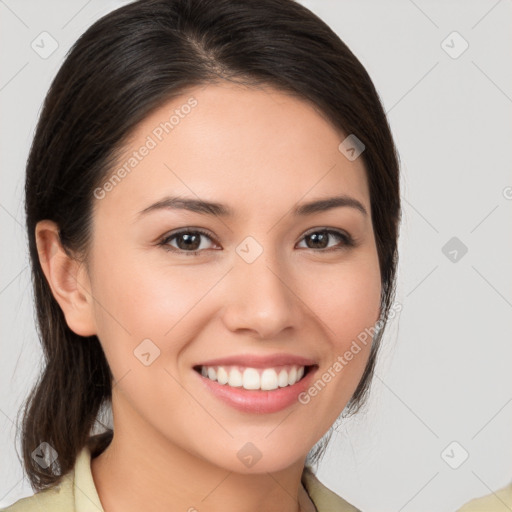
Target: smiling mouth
256	379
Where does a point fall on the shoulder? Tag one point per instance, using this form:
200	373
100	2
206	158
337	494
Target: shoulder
499	501
58	498
324	499
61	497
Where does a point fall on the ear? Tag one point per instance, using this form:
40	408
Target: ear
68	279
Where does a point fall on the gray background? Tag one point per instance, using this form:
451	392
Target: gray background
444	372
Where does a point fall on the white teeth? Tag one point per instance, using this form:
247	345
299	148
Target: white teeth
251	378
212	374
292	375
222	375
269	379
235	378
282	379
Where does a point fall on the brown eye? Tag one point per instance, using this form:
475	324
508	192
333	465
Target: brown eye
320	239
187	242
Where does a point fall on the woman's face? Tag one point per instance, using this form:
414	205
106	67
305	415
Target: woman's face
266	280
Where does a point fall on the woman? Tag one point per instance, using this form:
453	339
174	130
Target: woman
212	200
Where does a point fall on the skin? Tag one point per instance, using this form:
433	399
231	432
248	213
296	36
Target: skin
260	152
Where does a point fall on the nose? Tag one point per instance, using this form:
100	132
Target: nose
261	298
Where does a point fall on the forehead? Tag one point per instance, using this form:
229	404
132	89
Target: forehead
245	146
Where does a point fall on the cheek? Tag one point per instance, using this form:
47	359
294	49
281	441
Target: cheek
140	301
136	301
345	297
347	304
127	308
132	291
346	300
172	306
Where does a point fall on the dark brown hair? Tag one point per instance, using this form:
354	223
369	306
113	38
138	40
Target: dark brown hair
126	65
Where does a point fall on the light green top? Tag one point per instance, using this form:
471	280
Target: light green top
499	501
77	493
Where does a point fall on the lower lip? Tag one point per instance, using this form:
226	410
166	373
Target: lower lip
259	401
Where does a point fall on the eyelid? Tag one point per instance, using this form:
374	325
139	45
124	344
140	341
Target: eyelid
327	229
348	240
171	234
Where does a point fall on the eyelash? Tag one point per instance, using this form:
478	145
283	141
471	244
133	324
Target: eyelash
347	240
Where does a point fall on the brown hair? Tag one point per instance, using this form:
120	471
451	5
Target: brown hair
124	66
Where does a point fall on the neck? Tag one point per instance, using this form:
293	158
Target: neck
147	472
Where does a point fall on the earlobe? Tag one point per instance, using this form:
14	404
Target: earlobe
67	279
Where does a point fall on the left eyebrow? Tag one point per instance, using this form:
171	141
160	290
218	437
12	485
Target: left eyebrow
221	210
322	205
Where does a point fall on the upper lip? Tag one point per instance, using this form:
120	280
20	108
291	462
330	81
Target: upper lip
259	361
